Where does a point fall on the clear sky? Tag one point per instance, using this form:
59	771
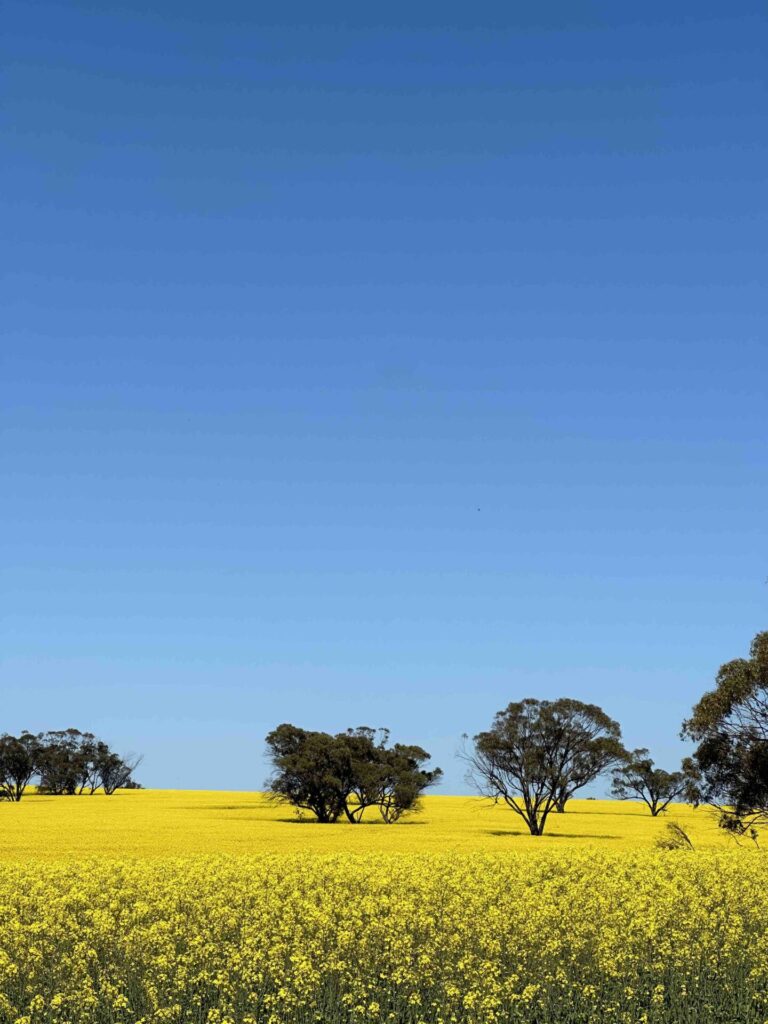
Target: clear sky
378	365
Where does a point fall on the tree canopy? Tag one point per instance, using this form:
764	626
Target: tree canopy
637	777
65	762
538	753
18	764
730	725
347	773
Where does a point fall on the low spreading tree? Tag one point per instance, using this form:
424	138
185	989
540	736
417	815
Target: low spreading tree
309	771
638	778
347	773
538	753
362	748
730	725
402	778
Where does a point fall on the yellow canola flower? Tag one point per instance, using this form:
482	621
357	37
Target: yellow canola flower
160	823
455	920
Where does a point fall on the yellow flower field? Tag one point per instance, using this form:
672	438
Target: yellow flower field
219	909
177	822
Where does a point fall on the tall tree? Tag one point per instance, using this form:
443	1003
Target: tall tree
730	725
637	777
538	753
591	746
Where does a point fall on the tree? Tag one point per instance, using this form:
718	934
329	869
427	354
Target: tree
390	778
70	762
730	725
637	777
66	761
595	746
346	773
538	753
363	770
310	771
111	771
18	764
403	779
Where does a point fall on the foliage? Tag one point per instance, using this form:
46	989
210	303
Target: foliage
110	770
537	754
18	764
346	773
637	777
675	838
730	725
311	771
402	779
66	762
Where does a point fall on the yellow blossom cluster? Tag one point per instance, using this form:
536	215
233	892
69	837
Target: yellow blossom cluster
151	823
214	908
583	937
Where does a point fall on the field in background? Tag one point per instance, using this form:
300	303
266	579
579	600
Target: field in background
151	823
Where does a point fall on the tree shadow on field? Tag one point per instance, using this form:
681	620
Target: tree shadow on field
551	835
641	812
358	824
218	807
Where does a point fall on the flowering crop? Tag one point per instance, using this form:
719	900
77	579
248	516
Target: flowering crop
499	929
177	822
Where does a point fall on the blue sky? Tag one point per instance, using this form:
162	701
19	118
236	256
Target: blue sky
378	366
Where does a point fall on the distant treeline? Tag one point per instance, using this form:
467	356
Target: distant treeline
538	753
534	757
65	762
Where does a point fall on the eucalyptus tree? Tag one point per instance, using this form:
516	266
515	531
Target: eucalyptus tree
730	725
18	764
538	753
638	778
346	773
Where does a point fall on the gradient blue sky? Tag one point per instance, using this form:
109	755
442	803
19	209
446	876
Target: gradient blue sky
379	365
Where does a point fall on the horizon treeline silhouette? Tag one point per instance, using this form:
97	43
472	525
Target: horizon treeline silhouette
66	762
534	757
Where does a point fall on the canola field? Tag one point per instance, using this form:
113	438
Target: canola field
219	908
